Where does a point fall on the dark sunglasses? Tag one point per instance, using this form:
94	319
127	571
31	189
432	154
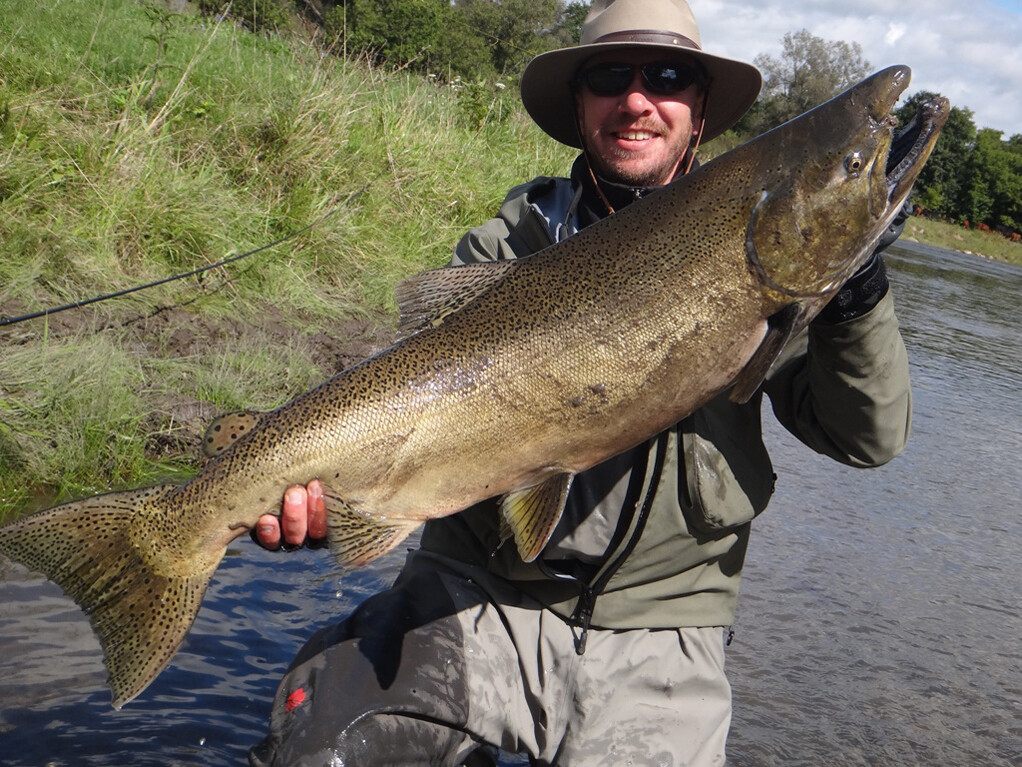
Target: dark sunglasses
663	77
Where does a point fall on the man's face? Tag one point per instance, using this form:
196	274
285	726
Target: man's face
637	137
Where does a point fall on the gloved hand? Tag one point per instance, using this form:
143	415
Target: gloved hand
869	284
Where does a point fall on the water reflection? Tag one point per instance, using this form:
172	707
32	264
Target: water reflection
212	701
879	621
880	610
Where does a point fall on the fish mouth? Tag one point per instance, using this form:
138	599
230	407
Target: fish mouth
911	146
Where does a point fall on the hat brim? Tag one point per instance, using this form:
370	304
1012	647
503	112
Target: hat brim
548	98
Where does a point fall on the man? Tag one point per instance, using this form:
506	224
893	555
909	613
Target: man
609	648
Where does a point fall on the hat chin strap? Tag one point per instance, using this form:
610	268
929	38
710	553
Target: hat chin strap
698	136
585	152
693	148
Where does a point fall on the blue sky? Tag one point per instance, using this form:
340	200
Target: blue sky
967	51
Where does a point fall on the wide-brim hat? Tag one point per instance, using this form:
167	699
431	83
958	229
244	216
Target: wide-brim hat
627	24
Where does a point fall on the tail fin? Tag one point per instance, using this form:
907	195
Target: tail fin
139	609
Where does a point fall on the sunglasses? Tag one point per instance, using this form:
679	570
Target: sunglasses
663	77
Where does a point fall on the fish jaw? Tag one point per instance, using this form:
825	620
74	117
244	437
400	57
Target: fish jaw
812	228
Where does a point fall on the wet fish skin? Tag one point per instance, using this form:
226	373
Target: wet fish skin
509	377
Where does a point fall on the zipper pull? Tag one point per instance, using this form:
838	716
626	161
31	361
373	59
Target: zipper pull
583	617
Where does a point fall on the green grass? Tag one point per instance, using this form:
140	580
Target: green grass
944	235
137	143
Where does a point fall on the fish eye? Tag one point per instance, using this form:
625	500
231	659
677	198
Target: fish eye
854	163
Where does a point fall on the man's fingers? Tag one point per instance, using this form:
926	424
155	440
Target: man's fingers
317	511
268	531
294	517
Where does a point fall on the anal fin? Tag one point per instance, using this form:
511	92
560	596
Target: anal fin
357	537
532	513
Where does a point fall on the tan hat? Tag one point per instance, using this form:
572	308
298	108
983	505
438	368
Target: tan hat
547	80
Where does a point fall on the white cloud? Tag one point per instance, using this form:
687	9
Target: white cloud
967	52
895	30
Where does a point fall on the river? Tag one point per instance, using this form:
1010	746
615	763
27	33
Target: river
879	622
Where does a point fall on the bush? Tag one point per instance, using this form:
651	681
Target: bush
254	15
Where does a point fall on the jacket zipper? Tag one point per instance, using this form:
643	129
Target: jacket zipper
582	615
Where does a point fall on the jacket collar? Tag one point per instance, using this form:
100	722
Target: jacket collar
591	206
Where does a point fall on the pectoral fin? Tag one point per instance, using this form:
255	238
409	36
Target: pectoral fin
227	429
780	328
532	513
357	537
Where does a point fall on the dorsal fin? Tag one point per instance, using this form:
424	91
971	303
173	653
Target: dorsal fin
425	299
227	429
780	328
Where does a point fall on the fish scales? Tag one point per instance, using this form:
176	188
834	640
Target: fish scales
510	377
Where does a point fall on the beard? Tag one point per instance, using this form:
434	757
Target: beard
638	168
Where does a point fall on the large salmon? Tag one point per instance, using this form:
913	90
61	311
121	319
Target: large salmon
511	377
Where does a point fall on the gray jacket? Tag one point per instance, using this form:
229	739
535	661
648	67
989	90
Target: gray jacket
656	537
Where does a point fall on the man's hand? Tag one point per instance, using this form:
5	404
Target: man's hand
302	519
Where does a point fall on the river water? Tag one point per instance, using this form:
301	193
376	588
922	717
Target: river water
879	622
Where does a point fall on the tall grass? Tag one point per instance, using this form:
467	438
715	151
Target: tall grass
136	143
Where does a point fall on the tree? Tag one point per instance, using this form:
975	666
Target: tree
475	40
513	30
809	71
994	191
395	32
569	24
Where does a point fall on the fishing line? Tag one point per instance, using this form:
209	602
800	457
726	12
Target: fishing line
5	321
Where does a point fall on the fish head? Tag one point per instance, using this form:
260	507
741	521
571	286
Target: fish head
831	184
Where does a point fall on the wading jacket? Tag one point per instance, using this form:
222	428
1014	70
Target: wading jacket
656	537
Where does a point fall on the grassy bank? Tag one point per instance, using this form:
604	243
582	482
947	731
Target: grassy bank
943	235
135	144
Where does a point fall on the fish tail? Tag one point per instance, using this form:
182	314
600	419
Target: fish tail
140	601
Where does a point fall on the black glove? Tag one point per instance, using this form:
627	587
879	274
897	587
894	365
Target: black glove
861	293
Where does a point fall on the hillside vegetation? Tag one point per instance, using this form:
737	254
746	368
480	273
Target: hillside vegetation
136	144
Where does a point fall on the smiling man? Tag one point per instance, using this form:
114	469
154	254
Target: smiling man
609	648
637	132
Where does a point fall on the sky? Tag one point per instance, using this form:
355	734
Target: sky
970	52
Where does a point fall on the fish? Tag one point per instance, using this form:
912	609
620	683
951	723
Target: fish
509	378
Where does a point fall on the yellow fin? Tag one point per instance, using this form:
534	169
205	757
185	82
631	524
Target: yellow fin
533	512
227	429
426	299
358	537
139	614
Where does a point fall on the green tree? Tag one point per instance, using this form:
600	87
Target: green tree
395	32
513	30
569	24
809	71
994	191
